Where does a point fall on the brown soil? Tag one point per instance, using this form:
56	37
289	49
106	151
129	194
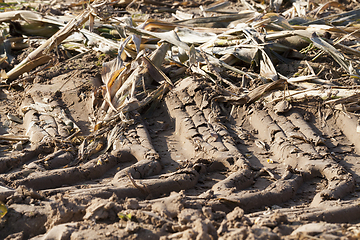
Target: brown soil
187	167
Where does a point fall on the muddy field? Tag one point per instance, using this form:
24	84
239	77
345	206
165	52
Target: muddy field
241	123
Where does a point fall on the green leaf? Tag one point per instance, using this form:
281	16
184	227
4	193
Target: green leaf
3	210
126	217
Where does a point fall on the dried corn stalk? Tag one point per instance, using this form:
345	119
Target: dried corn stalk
41	54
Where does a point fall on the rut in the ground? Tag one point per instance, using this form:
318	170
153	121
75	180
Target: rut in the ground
213	140
290	138
200	124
